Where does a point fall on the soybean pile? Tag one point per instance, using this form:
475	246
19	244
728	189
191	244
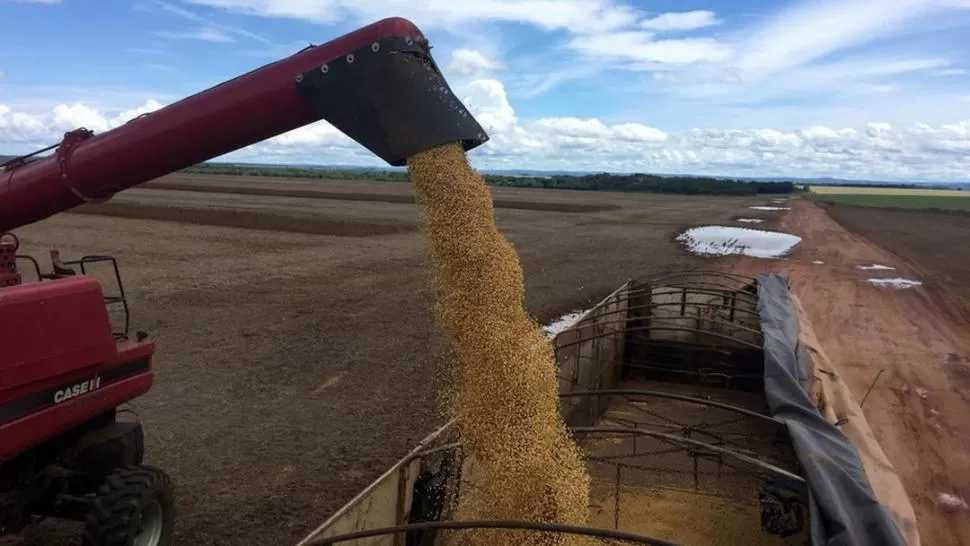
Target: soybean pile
522	462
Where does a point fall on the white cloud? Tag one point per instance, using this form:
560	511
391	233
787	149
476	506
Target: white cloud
877	150
207	22
574	15
783	54
839	80
205	34
950	72
320	133
471	61
877	129
489	103
900	66
127	115
638	46
575	127
687	20
17	127
585	129
21	132
78	115
809	31
882	88
960	130
767	140
819	133
637	132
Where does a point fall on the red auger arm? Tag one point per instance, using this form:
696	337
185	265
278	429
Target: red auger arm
378	84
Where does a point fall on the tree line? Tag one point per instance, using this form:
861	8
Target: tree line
649	183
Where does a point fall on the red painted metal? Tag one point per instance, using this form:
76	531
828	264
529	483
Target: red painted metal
39	426
35	428
51	328
253	107
57	333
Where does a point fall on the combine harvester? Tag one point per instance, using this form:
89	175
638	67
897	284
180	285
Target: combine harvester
707	411
64	369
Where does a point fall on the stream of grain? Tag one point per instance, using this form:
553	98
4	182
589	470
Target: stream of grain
525	464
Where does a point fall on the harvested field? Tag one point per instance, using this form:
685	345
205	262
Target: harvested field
293	367
899	201
935	245
351	191
917	337
320	225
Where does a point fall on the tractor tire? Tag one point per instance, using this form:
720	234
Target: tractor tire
134	506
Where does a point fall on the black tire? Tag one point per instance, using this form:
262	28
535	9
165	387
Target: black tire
115	518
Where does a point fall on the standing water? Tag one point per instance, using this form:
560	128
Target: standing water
725	240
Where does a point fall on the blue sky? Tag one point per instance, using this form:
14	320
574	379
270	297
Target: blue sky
851	88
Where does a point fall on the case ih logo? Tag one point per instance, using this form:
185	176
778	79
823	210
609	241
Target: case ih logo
77	389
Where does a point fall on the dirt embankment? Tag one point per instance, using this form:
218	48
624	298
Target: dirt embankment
919	407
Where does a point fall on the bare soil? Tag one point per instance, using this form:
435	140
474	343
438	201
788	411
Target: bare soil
380	192
934	244
294	365
920	337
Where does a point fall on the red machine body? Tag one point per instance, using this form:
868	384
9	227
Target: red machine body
61	363
64	369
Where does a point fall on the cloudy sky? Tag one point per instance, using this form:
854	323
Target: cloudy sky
871	89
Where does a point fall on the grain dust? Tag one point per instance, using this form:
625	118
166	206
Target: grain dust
523	464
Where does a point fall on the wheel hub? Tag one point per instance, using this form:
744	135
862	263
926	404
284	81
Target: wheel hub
150	529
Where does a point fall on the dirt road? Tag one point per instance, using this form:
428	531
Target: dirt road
919	407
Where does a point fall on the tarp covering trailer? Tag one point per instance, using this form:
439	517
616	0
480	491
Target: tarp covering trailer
708	414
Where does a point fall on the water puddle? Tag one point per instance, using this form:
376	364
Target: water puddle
818	262
749	220
723	241
561	324
766	207
898	283
876	267
952	501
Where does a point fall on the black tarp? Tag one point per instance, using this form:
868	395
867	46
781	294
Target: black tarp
844	510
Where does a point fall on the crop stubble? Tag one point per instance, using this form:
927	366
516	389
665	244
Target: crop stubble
285	190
